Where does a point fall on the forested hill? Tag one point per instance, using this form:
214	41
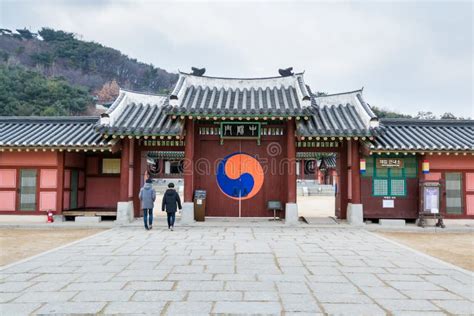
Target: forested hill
68	63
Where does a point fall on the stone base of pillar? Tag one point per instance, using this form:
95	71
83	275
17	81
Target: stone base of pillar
124	212
355	214
187	213
291	214
59	218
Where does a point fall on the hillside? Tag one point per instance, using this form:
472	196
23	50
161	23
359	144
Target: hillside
79	64
26	92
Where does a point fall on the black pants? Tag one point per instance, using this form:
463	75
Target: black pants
171	218
148	217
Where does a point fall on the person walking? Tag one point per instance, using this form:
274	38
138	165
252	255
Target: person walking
147	197
170	201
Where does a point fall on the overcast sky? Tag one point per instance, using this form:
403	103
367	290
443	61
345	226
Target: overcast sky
407	56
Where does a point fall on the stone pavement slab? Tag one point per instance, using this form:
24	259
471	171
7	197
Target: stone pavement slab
268	270
67	307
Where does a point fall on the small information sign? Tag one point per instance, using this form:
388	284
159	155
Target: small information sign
388	203
389	163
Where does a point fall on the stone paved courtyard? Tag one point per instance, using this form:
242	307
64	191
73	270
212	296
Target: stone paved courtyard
235	270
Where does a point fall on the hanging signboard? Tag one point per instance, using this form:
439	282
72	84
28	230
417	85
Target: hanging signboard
240	130
389	163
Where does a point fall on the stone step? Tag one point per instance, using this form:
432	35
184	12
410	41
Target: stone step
392	222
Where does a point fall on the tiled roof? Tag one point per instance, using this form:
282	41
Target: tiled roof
425	135
307	155
328	162
213	96
343	114
51	132
140	114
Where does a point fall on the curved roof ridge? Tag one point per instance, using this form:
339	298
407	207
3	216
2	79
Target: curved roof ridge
143	93
243	78
415	121
52	119
339	93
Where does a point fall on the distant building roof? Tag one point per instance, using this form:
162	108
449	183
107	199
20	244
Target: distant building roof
215	96
166	154
140	114
328	162
51	132
425	135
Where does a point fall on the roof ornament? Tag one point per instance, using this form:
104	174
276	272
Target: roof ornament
286	72
198	71
104	119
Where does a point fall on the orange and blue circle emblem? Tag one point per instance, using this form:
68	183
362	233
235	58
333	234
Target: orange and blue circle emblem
239	176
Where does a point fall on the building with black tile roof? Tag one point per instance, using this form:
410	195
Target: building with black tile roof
238	139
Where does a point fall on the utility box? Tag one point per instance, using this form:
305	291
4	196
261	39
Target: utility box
199	205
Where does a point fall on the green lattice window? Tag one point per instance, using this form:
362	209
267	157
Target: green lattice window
391	181
380	187
410	167
397	187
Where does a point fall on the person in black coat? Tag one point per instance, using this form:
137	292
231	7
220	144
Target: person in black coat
171	203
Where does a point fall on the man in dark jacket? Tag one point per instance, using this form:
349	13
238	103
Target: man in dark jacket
170	201
147	197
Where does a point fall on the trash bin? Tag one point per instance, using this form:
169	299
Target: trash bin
199	205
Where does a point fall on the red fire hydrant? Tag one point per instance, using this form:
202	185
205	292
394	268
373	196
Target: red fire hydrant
50	217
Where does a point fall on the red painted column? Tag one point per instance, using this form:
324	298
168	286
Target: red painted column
291	156
343	190
124	166
188	161
137	179
355	168
60	183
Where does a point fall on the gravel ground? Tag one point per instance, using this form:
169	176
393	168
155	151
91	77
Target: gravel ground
17	244
455	248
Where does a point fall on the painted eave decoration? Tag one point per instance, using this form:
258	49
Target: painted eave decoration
52	133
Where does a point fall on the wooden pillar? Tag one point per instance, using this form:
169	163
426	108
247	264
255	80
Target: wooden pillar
341	212
291	156
124	169
60	184
355	172
188	161
137	180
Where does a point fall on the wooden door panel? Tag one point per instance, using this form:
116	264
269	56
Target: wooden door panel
270	154
217	203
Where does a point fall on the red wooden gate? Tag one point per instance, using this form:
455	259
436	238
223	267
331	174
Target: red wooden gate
270	154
